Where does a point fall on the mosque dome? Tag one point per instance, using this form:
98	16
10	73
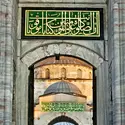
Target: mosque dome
63	87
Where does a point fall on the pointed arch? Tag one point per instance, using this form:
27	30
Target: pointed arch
63	118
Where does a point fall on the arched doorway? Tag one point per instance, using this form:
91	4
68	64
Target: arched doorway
63	120
71	65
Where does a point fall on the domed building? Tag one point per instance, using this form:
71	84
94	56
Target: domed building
63	87
66	86
61	97
62	92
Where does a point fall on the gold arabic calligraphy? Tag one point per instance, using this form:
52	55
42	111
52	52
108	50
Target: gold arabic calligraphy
62	23
61	106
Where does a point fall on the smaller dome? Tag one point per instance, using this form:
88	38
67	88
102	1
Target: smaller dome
63	87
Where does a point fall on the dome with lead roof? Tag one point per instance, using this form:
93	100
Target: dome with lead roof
63	87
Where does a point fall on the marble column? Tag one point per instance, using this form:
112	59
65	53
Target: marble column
116	60
22	94
121	26
7	49
102	94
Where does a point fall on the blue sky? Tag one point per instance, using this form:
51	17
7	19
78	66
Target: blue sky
63	123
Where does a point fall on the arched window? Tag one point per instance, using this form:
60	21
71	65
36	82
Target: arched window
47	73
79	73
63	73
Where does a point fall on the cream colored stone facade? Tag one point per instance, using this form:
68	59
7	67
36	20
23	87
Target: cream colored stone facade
84	83
79	75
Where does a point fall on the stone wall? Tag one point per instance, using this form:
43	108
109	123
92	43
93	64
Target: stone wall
110	106
7	58
116	60
93	51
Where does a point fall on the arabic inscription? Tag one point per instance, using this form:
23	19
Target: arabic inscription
62	23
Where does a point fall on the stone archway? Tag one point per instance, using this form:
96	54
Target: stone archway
29	57
48	118
63	119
